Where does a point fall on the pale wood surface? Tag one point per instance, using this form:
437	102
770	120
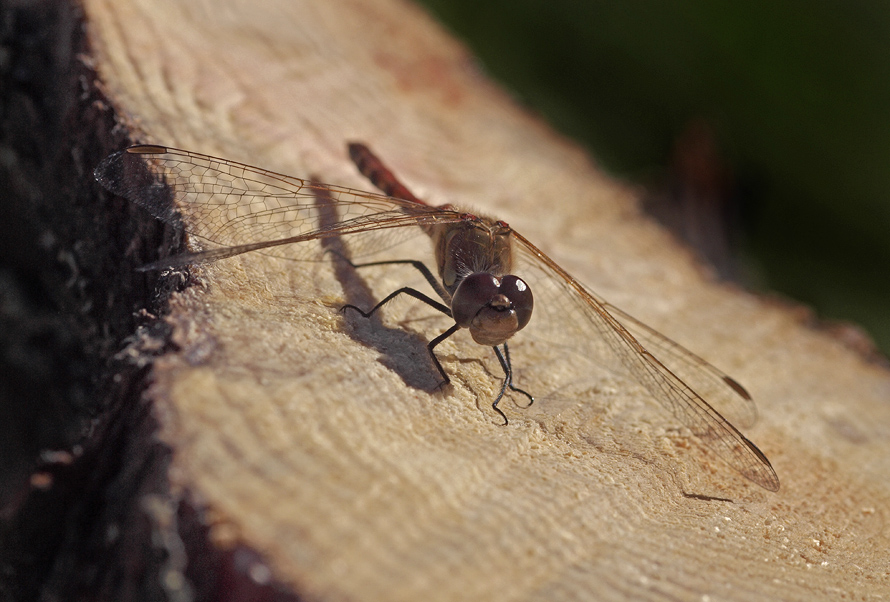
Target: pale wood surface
318	441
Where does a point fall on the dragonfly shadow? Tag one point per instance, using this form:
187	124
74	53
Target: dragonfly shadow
393	344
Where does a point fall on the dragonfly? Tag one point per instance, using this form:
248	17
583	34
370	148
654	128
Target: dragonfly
236	208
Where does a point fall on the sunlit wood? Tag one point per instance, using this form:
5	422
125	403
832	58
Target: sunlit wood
321	442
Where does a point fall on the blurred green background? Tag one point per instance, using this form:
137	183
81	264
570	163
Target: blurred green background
780	110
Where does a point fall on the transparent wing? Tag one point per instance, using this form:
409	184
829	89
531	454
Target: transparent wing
240	208
723	392
674	376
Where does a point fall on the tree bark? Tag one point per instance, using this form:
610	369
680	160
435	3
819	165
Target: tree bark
284	450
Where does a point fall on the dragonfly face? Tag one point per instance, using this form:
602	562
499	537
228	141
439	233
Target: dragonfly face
493	308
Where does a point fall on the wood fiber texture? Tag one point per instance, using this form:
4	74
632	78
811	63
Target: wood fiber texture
320	441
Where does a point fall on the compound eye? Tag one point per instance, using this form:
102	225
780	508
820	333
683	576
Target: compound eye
520	295
474	292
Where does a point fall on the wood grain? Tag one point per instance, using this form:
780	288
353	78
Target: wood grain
321	443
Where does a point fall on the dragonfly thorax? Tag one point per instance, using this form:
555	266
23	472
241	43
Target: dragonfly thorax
476	244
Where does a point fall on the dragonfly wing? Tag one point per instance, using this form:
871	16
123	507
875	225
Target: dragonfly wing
721	391
608	337
240	208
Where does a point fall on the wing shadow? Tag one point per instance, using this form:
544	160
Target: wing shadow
395	345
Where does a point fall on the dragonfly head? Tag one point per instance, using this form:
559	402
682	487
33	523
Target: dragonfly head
493	308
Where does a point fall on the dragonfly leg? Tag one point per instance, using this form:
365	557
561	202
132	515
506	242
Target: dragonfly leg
432	345
432	303
497	400
531	399
407	291
418	265
504	359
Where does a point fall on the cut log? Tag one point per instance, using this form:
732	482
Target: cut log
311	453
